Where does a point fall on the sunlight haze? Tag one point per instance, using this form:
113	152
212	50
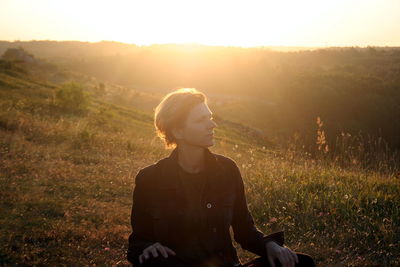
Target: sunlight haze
229	23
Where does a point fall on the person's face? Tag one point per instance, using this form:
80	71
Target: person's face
198	127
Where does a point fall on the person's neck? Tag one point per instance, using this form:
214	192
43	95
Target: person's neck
191	158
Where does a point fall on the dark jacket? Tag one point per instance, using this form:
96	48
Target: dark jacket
159	204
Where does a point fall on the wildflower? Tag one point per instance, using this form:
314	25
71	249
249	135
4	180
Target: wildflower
273	219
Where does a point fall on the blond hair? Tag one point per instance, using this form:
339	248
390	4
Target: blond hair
173	110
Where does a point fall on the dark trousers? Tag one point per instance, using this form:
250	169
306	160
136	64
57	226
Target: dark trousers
305	260
173	261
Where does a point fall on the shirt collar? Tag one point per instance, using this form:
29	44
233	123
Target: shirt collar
210	158
170	172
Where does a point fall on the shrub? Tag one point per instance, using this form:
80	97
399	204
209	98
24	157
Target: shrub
71	98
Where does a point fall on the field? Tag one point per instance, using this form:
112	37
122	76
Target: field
67	175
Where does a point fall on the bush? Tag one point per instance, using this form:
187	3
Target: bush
71	98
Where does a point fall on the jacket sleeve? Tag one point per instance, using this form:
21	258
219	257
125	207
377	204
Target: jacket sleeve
245	232
141	221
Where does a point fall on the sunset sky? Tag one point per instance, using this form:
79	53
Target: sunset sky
216	22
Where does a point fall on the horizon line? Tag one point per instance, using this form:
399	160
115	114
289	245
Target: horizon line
202	44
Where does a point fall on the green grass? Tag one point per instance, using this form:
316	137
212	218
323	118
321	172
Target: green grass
66	184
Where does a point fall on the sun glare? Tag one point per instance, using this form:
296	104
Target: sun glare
222	22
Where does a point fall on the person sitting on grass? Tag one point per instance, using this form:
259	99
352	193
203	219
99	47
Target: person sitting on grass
184	204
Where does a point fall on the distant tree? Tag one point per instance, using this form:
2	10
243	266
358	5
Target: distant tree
18	54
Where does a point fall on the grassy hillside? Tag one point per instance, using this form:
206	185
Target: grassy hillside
67	175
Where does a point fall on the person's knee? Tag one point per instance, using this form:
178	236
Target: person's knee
305	260
161	261
158	261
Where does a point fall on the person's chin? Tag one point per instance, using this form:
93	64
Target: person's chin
208	144
205	143
211	143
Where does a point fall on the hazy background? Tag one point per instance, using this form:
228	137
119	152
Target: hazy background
279	94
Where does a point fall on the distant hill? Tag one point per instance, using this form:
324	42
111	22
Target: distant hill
353	90
68	49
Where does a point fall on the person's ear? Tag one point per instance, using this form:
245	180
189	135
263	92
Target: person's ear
177	133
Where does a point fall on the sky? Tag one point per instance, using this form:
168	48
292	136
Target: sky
247	23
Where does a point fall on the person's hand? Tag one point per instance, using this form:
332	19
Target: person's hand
152	250
286	257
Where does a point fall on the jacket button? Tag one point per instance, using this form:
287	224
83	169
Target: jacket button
209	205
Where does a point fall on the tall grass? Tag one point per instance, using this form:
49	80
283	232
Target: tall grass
343	217
362	152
